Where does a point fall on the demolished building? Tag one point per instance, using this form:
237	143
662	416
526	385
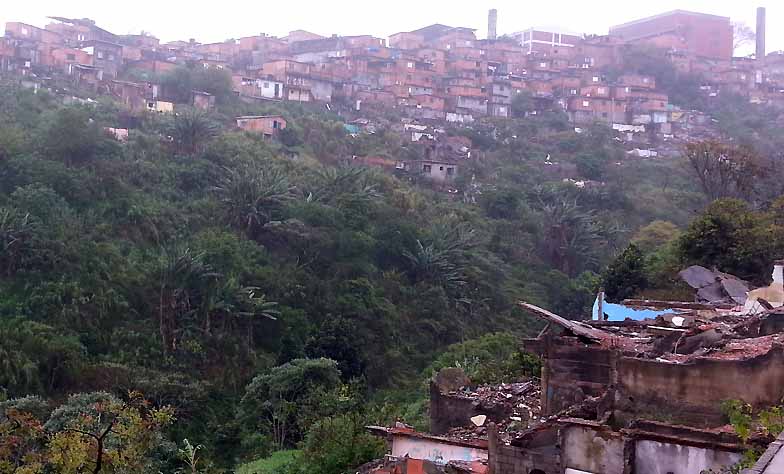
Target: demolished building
621	396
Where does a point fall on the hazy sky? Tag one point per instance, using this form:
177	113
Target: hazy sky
212	21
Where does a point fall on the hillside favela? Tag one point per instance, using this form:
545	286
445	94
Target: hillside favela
438	252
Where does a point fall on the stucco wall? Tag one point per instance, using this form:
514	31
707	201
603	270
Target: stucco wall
653	457
702	386
591	450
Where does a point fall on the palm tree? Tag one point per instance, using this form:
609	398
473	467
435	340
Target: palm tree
344	185
240	306
257	306
252	195
445	258
191	129
571	238
15	229
185	283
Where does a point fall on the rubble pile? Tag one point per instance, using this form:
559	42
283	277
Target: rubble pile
513	407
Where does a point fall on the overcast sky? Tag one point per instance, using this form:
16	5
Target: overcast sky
216	21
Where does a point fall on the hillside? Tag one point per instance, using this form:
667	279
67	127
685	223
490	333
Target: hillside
212	269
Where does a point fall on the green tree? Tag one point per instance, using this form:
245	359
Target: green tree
336	339
625	277
522	104
655	235
336	444
733	238
492	358
283	402
97	433
72	136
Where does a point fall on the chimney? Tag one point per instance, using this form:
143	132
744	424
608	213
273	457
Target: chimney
760	33
492	24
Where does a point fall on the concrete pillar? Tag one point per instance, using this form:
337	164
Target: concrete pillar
760	34
492	24
492	448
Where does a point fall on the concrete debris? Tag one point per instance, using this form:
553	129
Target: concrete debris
643	153
769	297
479	420
715	287
513	407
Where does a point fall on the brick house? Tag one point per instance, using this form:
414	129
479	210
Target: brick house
406	40
704	35
590	109
202	100
267	125
106	55
134	95
75	32
32	33
499	99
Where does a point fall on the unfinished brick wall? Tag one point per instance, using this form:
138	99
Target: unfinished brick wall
515	460
570	371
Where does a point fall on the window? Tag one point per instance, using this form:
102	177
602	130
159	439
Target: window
573	91
595	79
70	57
99	54
440	168
478	64
586	103
25	31
266	85
410	65
427	168
601	90
450	171
275	125
542	65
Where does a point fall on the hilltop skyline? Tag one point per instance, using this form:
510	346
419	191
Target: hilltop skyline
208	26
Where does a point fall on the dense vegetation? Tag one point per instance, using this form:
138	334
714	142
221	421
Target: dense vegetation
252	296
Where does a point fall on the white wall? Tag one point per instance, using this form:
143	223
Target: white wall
653	457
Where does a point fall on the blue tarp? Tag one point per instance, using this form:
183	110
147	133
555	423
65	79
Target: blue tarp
619	312
351	128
